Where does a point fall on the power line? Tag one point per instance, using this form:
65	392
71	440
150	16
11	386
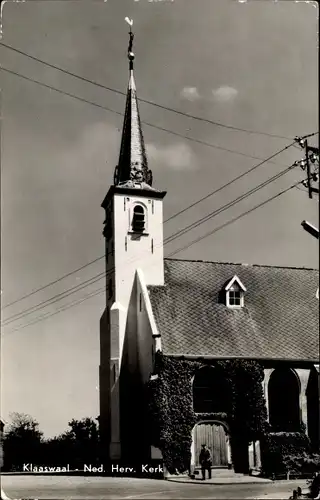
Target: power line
63	308
163	107
230	204
116	91
231	221
170	218
233	180
222	226
300	189
54	299
176	235
53	282
163	129
308	135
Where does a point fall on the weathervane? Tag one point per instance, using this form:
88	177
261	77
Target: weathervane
131	35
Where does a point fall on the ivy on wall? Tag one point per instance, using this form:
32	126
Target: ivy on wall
249	418
171	413
170	405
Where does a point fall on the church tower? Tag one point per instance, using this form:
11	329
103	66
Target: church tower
133	231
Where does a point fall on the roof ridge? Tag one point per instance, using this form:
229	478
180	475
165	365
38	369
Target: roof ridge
243	264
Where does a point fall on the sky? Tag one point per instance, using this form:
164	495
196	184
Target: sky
250	66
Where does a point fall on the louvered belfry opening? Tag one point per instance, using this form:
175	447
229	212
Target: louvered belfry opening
138	221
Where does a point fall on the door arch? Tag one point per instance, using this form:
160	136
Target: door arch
215	434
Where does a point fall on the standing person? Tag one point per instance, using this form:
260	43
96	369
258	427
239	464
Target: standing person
205	461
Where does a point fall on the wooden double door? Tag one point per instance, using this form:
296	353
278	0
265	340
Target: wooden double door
214	436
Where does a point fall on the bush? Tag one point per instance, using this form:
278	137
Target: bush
283	452
303	464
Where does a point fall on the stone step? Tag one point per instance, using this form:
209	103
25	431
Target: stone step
220	473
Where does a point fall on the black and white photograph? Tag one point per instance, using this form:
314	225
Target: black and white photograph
159	250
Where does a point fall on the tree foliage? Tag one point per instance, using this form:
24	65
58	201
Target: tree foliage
22	441
77	446
84	430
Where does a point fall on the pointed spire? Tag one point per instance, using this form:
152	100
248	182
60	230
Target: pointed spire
132	167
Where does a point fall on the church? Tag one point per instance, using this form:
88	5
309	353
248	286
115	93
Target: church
194	352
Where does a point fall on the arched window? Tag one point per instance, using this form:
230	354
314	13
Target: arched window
138	220
283	396
210	391
312	394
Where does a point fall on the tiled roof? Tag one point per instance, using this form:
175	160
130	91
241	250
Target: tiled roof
280	318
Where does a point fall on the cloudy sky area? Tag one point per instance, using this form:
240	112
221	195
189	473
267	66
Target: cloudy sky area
247	65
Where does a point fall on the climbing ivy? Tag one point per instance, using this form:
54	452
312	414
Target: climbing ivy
171	413
170	405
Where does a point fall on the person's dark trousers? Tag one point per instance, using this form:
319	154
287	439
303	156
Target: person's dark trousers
203	470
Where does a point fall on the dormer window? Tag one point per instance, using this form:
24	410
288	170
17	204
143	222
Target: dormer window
235	298
138	220
235	293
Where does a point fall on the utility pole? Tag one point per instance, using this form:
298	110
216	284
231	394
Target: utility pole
311	176
308	163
